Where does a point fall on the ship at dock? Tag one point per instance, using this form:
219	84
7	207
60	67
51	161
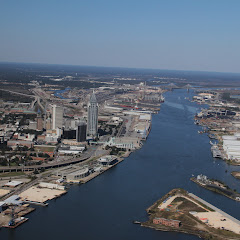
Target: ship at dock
215	150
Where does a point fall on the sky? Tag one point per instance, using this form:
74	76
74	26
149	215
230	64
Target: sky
193	35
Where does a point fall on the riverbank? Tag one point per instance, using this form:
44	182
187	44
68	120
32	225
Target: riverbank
180	211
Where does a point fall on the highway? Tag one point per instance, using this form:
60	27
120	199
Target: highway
47	165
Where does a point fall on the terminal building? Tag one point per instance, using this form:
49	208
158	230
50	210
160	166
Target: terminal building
73	173
108	160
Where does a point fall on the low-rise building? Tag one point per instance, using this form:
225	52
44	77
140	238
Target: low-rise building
15	143
107	160
51	186
167	222
124	142
68	149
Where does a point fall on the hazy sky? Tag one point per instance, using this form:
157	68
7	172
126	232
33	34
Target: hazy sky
164	34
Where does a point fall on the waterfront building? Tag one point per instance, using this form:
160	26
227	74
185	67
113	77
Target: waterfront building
57	117
81	132
107	160
124	142
73	173
78	175
92	124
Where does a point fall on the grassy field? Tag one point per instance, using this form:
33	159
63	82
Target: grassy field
186	205
12	174
44	148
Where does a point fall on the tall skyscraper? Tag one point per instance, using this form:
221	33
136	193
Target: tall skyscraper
92	124
57	117
81	132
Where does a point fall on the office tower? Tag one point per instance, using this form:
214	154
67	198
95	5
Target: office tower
39	123
81	132
48	124
92	124
57	117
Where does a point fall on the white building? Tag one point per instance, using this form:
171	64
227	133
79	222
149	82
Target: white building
124	142
92	124
57	117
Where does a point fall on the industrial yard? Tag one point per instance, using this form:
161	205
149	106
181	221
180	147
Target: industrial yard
184	212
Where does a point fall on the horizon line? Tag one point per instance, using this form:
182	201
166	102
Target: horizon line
138	68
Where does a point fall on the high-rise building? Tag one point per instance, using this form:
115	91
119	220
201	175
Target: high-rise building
81	132
39	123
57	117
48	124
92	124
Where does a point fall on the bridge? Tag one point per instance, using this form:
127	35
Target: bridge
44	165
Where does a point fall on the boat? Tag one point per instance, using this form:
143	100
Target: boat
13	223
136	222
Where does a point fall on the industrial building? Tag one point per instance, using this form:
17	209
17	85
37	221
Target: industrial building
51	186
231	146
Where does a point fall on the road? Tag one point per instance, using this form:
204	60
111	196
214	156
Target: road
49	165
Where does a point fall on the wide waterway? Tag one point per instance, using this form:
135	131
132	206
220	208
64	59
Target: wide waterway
105	207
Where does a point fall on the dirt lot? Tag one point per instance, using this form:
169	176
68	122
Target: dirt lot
41	195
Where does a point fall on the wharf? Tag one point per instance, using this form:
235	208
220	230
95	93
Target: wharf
93	175
21	221
43	204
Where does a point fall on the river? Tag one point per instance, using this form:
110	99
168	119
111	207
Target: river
105	207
